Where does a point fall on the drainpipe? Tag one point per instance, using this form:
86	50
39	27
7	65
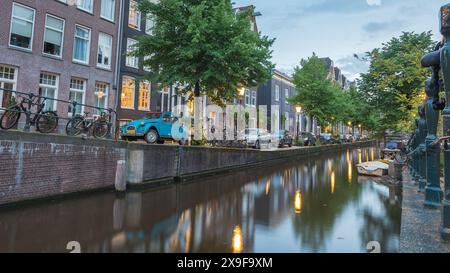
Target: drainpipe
118	61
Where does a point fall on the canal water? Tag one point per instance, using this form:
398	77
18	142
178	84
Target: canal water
318	205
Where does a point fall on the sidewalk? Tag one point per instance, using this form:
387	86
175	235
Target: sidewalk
420	227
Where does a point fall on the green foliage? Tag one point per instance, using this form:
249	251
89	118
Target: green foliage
203	45
314	91
394	85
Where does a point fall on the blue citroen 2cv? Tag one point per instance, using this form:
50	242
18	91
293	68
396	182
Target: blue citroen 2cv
155	127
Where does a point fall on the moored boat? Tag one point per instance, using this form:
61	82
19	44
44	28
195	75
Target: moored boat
373	168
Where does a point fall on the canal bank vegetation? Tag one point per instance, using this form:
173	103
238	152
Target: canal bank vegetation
384	98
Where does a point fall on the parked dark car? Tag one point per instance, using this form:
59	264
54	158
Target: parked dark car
283	137
308	139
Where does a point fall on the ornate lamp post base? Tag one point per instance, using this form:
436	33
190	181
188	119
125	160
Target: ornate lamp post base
445	230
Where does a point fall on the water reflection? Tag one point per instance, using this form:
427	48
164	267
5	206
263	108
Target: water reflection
315	206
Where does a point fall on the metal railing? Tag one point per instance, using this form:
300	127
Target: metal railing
30	102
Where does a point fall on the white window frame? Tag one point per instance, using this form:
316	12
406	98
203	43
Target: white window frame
101	65
56	87
13	82
61	31
247	97
113	11
253	98
286	95
32	28
84	9
133	93
128	58
106	96
78	91
134	4
88	47
277	92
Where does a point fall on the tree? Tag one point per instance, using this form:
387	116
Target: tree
204	47
394	84
314	92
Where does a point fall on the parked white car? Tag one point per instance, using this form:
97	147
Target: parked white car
256	137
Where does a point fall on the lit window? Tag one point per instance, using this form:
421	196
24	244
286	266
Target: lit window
82	44
8	80
77	90
127	95
144	96
131	60
101	97
107	9
22	26
104	50
54	35
48	87
85	5
134	16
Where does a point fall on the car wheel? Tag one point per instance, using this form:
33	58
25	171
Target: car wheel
257	145
182	142
290	145
281	144
151	137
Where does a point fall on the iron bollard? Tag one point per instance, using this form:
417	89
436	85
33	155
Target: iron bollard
445	66
433	192
421	150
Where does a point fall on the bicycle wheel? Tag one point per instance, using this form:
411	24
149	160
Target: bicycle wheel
101	129
10	118
47	122
75	126
401	157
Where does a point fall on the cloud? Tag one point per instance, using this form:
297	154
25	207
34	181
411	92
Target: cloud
374	2
351	67
381	26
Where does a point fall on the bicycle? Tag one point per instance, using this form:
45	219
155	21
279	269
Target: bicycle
100	125
45	121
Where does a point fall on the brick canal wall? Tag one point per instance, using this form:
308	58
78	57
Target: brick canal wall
36	166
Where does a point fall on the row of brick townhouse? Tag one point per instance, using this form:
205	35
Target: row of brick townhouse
62	49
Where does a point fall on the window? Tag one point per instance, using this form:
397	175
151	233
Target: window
22	25
247	97
134	16
85	5
147	67
131	61
108	9
128	87
8	80
144	96
277	93
286	95
101	97
53	36
149	25
253	98
104	50
77	90
82	44
48	87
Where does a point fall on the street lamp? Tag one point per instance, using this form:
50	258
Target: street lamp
298	109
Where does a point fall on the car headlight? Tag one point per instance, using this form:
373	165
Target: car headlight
142	123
